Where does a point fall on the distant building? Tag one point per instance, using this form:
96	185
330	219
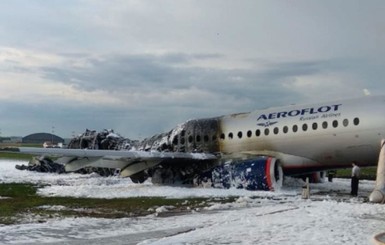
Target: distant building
5	139
41	138
12	139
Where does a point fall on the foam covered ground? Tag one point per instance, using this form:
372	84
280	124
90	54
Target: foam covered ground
330	216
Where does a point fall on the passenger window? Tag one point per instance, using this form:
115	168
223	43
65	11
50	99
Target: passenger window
240	134
190	139
335	123
182	133
175	140
267	131
182	141
295	128
257	132
325	125
198	138
304	127
276	130
222	136
206	138
356	121
214	137
345	122
249	133
315	126
230	135
285	129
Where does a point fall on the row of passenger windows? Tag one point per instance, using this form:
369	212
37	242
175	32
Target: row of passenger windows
267	131
206	138
295	128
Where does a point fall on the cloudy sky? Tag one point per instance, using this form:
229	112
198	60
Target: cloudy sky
142	67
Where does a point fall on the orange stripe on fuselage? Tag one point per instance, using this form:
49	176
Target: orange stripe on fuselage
267	174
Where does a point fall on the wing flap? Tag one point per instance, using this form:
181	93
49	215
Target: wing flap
130	162
115	154
137	167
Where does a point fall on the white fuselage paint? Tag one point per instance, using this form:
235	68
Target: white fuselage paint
328	135
354	130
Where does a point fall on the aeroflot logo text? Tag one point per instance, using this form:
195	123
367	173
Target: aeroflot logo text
302	112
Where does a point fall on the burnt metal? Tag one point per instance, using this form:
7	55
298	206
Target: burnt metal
192	136
198	136
104	140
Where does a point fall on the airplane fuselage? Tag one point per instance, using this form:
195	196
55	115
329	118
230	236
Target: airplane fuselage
303	137
255	148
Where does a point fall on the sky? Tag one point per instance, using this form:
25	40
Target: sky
142	67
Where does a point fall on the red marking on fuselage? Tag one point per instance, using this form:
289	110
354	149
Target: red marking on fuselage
267	174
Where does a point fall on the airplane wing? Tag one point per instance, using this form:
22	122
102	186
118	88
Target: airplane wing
130	162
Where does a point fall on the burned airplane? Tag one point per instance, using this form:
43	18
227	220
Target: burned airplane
249	150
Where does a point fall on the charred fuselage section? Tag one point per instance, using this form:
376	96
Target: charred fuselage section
192	136
104	140
197	136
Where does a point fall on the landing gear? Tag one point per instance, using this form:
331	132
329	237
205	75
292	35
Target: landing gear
163	176
139	178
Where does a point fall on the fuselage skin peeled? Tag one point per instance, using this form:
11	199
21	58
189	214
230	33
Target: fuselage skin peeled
304	138
295	140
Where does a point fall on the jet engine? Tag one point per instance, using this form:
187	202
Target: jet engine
262	173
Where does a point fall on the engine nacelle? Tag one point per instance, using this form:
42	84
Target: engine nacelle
262	173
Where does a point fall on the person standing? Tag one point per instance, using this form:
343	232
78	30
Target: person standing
355	179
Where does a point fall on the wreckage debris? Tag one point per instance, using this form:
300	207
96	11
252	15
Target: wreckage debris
90	139
191	136
46	165
42	165
104	140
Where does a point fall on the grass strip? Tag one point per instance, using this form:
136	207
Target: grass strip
20	202
15	156
368	173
